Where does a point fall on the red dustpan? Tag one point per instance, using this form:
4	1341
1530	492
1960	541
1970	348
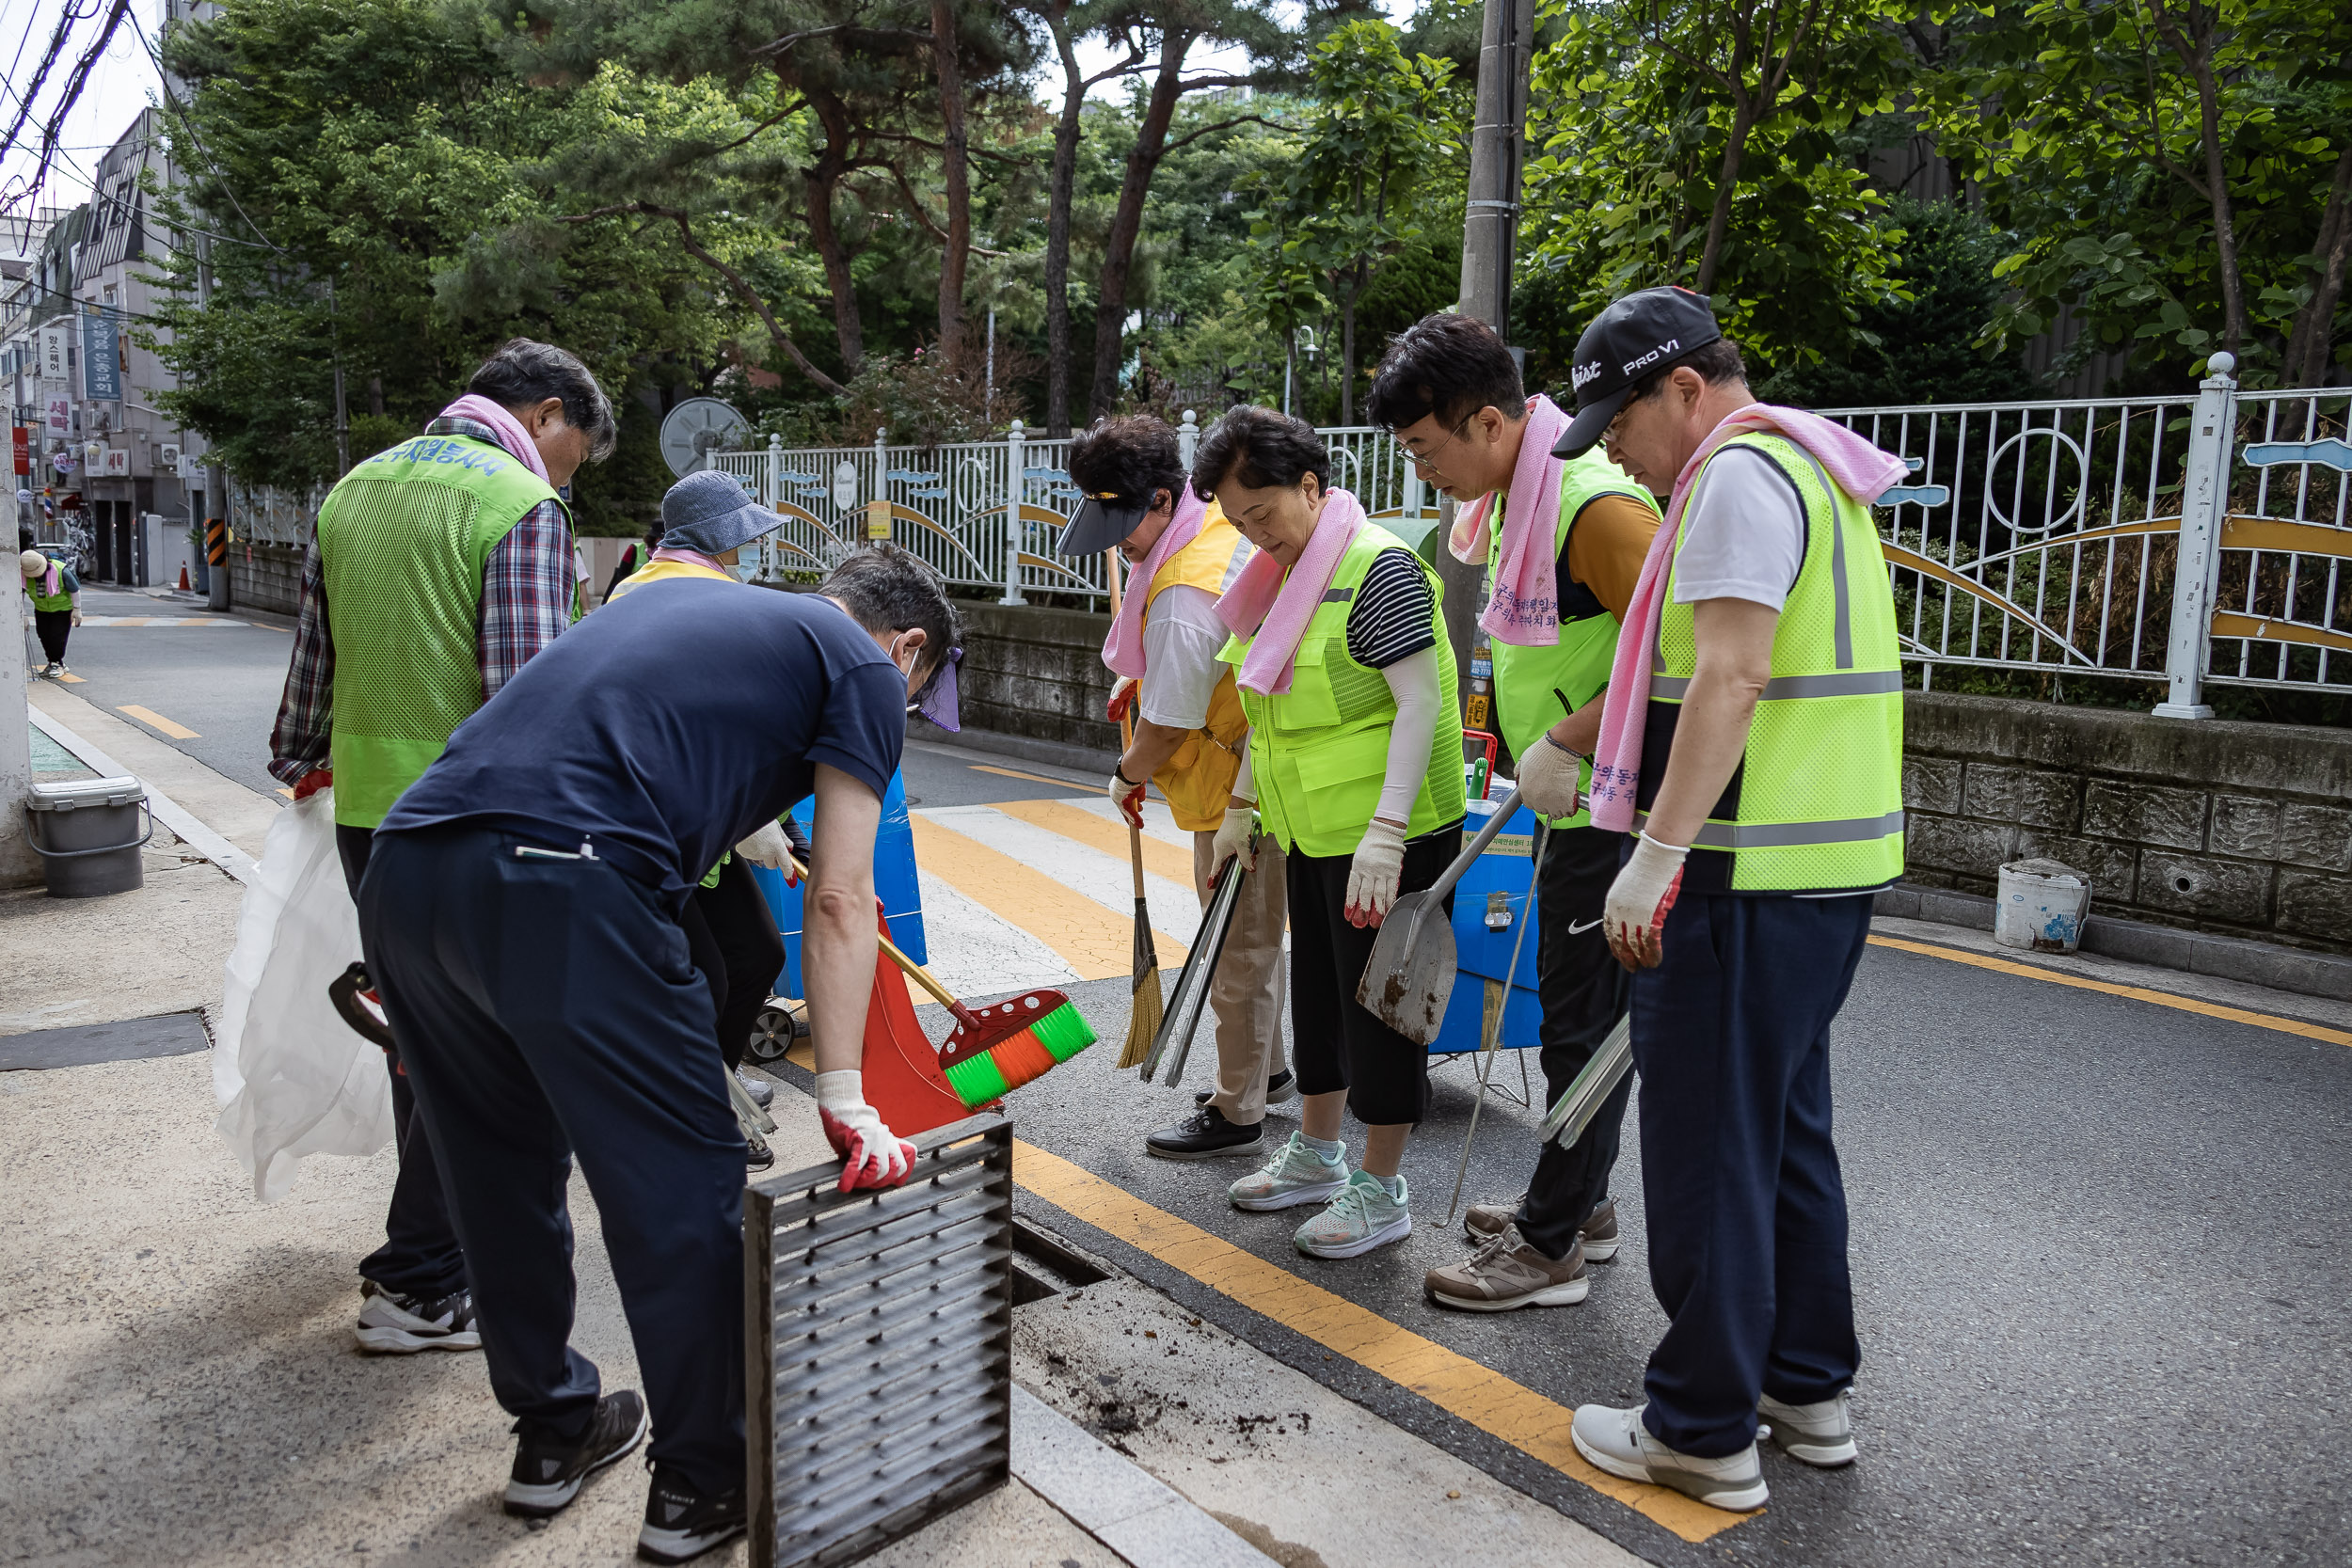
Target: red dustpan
903	1082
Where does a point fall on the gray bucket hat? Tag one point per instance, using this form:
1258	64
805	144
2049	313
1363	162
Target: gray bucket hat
708	512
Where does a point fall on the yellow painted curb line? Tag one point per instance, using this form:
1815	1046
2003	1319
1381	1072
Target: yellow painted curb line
1536	1426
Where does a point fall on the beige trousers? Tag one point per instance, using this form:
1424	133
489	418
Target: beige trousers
1246	993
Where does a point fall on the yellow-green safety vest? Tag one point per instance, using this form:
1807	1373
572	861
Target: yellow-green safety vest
1530	682
1817	805
1319	752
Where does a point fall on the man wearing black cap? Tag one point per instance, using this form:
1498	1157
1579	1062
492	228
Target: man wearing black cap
521	908
1189	733
1751	744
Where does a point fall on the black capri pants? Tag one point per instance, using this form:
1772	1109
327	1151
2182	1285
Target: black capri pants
1336	1043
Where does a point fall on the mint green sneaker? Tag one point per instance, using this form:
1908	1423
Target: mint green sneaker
1295	1175
1364	1217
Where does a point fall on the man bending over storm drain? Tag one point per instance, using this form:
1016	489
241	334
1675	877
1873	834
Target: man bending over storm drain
521	909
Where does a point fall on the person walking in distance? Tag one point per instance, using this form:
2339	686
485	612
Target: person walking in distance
440	567
1751	746
1355	763
57	597
1189	730
1563	540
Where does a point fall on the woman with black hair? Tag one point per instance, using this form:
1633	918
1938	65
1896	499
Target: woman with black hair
1353	762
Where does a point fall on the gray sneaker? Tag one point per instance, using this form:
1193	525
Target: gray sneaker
1505	1273
1364	1217
1819	1434
1617	1442
1295	1175
1597	1235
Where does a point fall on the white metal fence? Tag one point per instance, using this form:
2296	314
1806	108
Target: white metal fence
2194	539
2045	536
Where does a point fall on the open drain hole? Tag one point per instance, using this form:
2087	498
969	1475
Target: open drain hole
1045	1265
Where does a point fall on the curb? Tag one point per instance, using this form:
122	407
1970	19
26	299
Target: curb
2136	942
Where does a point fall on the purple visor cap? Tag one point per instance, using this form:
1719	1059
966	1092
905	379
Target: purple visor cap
937	700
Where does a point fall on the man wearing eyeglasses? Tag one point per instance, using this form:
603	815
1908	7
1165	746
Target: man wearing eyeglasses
1563	541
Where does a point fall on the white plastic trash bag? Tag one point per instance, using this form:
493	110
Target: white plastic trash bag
294	1079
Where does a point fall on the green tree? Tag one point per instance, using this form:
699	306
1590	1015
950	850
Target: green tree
2179	171
1714	145
357	163
1382	151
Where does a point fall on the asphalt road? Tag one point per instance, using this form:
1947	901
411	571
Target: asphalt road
2099	1243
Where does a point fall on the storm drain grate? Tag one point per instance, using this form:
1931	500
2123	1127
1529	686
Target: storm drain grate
880	1348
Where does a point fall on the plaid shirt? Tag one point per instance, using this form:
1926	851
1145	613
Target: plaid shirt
526	602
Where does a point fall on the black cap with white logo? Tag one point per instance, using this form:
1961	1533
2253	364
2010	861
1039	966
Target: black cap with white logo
1626	341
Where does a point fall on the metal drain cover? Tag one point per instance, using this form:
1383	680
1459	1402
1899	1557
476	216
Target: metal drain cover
880	1347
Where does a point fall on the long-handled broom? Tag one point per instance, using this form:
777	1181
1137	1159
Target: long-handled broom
1147	1008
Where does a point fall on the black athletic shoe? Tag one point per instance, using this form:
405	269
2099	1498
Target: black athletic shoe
1278	1088
682	1522
394	1324
1205	1134
548	1472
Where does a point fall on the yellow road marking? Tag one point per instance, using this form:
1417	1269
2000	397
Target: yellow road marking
154	720
1098	833
1086	937
1534	1425
2161	998
70	679
1030	778
287	793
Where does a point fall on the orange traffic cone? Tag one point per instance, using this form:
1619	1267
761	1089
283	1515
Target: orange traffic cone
184	586
902	1080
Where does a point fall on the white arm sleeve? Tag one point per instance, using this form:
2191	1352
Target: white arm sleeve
1245	783
1413	682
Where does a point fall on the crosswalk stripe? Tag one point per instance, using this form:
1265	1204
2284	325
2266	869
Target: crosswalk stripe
1066	920
1060	817
977	952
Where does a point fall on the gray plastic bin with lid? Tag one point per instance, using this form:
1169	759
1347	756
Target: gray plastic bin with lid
89	834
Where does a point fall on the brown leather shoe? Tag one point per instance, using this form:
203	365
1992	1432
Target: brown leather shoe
1506	1273
1598	1234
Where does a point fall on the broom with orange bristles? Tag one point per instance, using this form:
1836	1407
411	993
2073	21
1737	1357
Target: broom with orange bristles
1147	1008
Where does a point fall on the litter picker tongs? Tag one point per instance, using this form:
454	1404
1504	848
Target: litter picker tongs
1192	984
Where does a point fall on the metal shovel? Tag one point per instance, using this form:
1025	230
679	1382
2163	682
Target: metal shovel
1410	975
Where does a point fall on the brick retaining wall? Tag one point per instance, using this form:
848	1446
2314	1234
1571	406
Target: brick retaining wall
2231	828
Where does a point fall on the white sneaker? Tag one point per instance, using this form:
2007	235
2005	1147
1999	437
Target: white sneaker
1819	1434
1364	1217
393	1325
1295	1175
1617	1442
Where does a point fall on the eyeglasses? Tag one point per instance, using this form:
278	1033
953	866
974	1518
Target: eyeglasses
1428	460
1615	427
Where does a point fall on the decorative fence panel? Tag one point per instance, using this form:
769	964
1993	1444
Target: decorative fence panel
2183	539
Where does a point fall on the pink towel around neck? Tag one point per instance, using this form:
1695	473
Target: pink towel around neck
510	431
1524	608
694	557
1272	607
50	579
1856	466
1122	650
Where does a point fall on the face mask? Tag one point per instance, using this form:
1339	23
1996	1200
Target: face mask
745	570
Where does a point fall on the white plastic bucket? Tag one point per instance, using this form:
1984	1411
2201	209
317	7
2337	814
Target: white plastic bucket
2041	907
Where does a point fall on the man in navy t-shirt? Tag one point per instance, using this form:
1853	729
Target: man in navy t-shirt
520	911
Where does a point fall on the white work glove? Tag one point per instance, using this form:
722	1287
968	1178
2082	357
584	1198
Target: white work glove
1127	796
1635	911
768	847
1234	840
77	616
1548	778
1373	875
873	1155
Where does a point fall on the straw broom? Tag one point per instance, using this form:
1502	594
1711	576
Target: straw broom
1147	1008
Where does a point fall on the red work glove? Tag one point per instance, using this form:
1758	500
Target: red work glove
873	1156
1635	913
1123	703
312	782
1127	796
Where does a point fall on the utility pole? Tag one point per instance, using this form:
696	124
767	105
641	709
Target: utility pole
1489	239
342	419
